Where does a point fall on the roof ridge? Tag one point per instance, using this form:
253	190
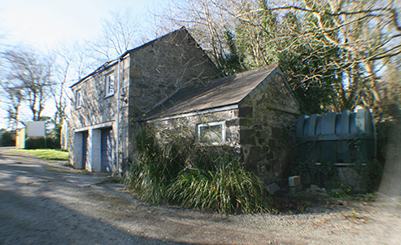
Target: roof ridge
110	62
214	95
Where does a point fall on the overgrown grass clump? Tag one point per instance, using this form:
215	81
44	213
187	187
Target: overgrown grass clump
227	189
189	175
49	154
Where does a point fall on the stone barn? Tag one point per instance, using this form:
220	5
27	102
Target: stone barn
108	102
254	112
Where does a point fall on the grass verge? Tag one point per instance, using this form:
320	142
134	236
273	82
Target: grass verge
48	154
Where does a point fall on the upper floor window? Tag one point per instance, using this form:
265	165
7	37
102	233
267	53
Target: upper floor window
78	99
110	78
212	133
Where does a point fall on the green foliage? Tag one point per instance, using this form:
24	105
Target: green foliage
324	75
325	175
145	141
49	154
277	38
148	177
42	143
56	133
346	192
371	174
194	176
317	94
231	62
7	138
156	166
311	173
227	189
369	197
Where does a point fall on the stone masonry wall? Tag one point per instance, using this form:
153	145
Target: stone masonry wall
261	131
97	109
160	68
229	117
267	135
264	138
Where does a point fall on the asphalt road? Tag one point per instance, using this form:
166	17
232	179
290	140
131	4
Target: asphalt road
45	202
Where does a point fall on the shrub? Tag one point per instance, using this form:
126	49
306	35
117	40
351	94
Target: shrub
371	174
154	168
7	138
147	178
42	143
322	175
228	189
193	176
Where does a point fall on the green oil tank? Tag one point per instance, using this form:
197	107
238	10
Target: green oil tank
339	138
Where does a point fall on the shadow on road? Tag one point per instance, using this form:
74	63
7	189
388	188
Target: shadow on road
39	220
34	210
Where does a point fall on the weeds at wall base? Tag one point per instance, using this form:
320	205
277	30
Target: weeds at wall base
182	173
363	178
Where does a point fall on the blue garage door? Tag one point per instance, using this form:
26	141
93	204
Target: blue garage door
106	150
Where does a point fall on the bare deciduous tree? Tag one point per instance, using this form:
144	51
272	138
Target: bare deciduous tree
28	78
207	23
346	42
58	92
334	50
390	84
120	32
13	98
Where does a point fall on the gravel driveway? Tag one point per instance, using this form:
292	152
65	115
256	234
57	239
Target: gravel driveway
44	202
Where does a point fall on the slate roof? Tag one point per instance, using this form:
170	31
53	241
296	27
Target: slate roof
221	92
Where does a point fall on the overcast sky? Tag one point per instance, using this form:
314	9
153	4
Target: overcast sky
44	24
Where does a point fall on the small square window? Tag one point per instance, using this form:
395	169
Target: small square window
212	133
78	99
110	85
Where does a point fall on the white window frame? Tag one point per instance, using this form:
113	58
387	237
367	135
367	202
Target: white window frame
78	99
110	89
223	133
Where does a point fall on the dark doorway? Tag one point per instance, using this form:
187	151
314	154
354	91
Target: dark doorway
106	150
84	149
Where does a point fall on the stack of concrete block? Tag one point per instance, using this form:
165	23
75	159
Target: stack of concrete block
295	184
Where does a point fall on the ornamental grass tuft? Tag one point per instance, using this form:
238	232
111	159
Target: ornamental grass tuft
180	172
